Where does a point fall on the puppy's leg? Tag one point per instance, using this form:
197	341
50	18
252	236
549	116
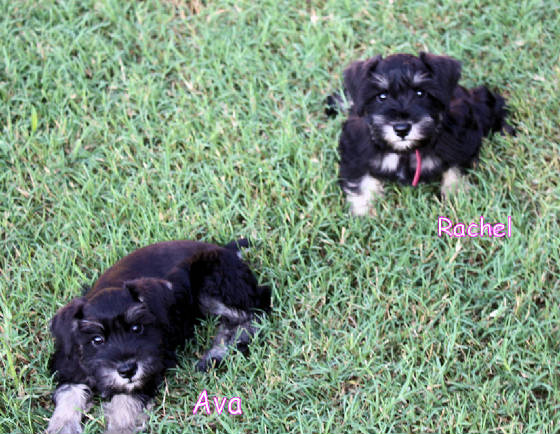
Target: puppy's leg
229	336
71	401
218	351
356	155
124	414
235	330
360	194
452	182
242	335
214	306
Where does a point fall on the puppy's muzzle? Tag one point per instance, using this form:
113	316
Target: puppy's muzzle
402	129
127	369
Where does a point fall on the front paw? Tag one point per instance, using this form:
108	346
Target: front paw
60	425
360	208
125	415
127	426
361	194
122	430
453	182
71	400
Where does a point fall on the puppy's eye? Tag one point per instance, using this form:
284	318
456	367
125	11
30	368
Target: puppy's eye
98	340
419	93
137	328
382	97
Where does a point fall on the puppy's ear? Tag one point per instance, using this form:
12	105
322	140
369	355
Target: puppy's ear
64	323
446	71
157	294
356	82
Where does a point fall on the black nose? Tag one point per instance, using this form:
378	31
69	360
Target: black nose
127	369
402	129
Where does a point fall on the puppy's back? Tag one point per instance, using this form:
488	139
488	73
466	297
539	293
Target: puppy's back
155	260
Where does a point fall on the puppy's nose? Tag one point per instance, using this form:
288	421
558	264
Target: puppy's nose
402	129
127	369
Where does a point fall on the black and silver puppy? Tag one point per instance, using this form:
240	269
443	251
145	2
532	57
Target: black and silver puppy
119	338
410	121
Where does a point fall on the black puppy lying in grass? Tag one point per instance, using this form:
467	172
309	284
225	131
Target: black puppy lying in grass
119	338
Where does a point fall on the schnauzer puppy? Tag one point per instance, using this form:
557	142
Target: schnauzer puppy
118	339
410	121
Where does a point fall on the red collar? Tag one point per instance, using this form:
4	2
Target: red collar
418	169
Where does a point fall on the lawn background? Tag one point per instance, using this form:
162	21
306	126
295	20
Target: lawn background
125	123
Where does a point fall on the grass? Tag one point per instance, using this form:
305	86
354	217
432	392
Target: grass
126	123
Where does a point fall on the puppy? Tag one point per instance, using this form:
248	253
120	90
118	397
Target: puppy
410	121
118	339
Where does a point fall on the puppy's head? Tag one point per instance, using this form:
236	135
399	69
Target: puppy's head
402	96
117	334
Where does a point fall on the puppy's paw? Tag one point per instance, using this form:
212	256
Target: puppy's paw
71	400
360	208
123	429
453	182
213	357
204	365
125	415
61	425
367	190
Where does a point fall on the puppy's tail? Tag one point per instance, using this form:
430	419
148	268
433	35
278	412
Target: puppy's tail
237	245
338	102
494	111
333	105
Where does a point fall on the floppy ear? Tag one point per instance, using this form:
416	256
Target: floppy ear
446	71
64	324
156	294
221	274
356	81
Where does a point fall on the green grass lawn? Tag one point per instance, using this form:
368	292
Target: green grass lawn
124	123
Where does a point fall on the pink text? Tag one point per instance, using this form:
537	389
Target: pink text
233	404
474	229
